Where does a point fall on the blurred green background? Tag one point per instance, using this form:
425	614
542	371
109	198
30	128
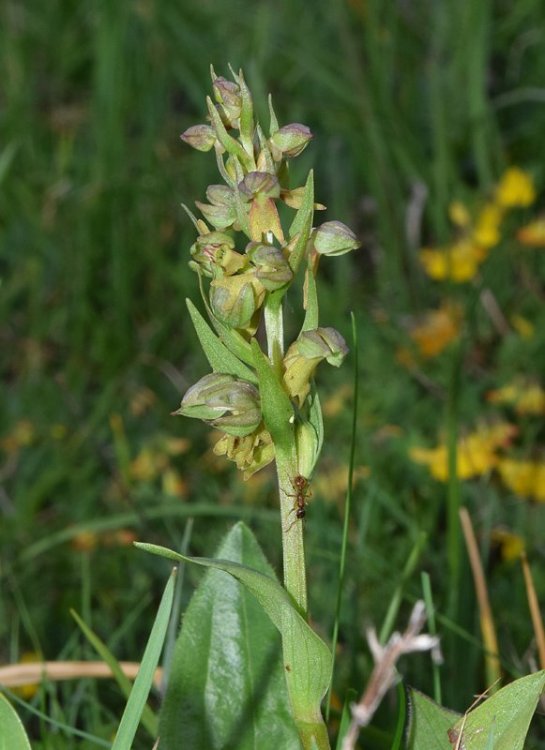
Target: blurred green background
413	105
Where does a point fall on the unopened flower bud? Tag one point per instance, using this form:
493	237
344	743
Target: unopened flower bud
290	140
201	137
227	94
272	268
334	238
221	217
259	183
235	299
224	402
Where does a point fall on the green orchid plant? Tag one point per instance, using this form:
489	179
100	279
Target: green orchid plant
260	393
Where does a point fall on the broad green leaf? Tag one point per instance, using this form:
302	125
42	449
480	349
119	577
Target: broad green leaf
12	733
275	403
227	686
428	724
149	720
502	721
217	354
144	679
307	660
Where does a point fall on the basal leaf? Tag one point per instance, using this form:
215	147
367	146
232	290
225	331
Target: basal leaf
227	687
502	721
307	660
12	733
428	723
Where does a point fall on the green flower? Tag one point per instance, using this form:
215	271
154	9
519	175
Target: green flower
306	353
224	402
334	238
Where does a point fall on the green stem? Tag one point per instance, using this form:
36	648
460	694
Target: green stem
293	549
313	736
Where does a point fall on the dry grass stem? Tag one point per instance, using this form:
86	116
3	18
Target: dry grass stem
535	613
16	675
488	629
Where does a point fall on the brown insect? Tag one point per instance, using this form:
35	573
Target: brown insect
301	494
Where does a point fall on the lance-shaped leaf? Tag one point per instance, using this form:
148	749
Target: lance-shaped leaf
302	224
502	721
12	733
428	723
144	679
220	358
242	701
275	404
307	660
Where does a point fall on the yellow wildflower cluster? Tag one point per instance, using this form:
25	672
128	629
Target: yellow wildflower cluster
477	452
524	478
460	261
436	329
533	234
525	397
511	545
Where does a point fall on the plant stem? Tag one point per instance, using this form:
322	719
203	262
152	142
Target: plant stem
293	550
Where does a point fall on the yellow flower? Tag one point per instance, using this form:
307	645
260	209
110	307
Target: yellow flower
30	689
458	214
476	452
522	326
436	330
458	262
487	227
527	398
515	189
522	477
533	234
511	545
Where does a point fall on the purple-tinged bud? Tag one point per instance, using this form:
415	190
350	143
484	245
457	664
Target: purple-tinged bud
220	195
201	137
334	238
227	94
221	217
259	183
223	402
291	139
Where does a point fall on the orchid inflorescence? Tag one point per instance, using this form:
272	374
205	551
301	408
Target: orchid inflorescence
246	261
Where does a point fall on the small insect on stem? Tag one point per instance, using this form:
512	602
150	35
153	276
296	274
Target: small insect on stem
301	495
